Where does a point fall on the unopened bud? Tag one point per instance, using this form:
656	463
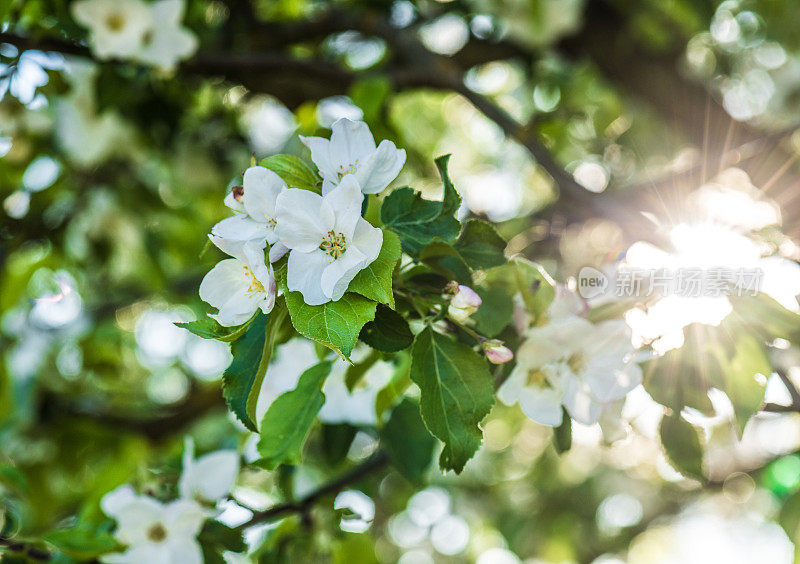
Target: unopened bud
465	302
497	352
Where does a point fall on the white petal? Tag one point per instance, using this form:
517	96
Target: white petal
380	168
183	518
579	402
185	551
239	227
210	477
328	185
168	12
614	429
304	275
351	141
345	203
337	276
261	189
541	404
136	519
368	239
167	46
277	250
233	203
114	502
229	319
509	391
302	219
319	154
609	384
226	287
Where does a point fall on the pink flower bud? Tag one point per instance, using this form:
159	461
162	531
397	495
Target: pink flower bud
465	302
497	352
466	297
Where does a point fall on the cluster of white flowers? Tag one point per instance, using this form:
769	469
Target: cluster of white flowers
154	531
150	33
586	368
327	239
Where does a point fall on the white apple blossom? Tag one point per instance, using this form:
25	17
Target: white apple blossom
329	240
571	362
351	150
116	27
209	478
255	201
154	532
239	286
167	41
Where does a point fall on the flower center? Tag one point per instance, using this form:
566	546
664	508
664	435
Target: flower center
270	221
344	171
157	533
256	287
335	244
536	377
576	363
115	22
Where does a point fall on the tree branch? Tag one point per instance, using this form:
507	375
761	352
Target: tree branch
377	462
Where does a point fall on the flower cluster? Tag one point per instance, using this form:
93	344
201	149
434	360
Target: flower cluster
154	531
327	240
586	368
151	34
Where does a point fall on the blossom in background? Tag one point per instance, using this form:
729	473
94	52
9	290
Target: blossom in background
239	286
464	303
132	29
167	41
116	27
85	135
571	362
257	220
153	531
329	240
209	478
351	150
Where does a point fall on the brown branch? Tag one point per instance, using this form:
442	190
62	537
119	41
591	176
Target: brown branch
373	464
20	548
166	422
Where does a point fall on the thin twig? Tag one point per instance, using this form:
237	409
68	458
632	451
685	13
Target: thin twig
377	462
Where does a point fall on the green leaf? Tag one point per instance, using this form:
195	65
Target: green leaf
336	441
388	332
418	221
494	313
288	420
246	369
480	245
445	260
534	285
407	442
763	314
375	281
456	394
222	536
562	435
334	324
209	329
82	543
739	376
682	445
294	172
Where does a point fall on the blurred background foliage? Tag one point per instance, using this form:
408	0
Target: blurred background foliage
566	119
